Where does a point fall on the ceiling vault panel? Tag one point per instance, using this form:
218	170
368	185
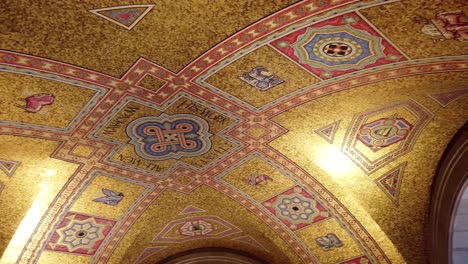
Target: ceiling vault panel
292	131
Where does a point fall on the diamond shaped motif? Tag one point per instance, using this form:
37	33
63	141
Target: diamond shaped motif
80	234
257	131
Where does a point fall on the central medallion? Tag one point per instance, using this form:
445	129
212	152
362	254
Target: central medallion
165	137
337	49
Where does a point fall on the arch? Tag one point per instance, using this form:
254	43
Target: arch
447	188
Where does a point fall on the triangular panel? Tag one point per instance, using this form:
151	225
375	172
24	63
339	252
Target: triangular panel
328	132
9	166
446	98
390	182
125	16
191	209
250	240
148	252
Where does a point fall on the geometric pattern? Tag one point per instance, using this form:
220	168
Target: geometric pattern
337	46
166	137
196	228
355	148
148	252
80	234
390	182
384	132
187	229
9	166
124	16
296	208
357	260
328	132
251	241
445	98
191	209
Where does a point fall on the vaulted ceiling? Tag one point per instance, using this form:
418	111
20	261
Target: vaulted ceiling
296	132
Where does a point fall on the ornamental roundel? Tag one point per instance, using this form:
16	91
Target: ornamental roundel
384	132
165	137
296	208
338	47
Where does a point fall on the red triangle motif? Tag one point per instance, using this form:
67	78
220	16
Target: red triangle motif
9	166
191	209
148	252
445	98
250	240
125	16
328	132
390	182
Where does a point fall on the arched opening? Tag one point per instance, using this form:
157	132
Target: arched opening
447	194
212	256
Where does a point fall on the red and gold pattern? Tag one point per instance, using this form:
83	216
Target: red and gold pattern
253	129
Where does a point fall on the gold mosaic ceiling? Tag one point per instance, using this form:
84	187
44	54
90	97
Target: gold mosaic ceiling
303	132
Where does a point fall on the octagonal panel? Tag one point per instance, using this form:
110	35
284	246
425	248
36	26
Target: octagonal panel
338	46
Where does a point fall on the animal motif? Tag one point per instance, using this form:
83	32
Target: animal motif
255	179
34	103
111	198
328	241
259	78
447	25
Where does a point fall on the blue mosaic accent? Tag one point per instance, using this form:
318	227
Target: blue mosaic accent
165	137
364	45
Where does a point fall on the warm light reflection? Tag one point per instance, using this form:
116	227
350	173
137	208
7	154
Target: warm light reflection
27	226
49	172
333	161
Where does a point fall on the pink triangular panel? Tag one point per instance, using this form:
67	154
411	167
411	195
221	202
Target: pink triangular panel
446	98
390	183
328	132
148	252
250	240
191	209
9	166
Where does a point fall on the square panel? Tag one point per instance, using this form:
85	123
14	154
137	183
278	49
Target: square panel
296	208
80	234
261	76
